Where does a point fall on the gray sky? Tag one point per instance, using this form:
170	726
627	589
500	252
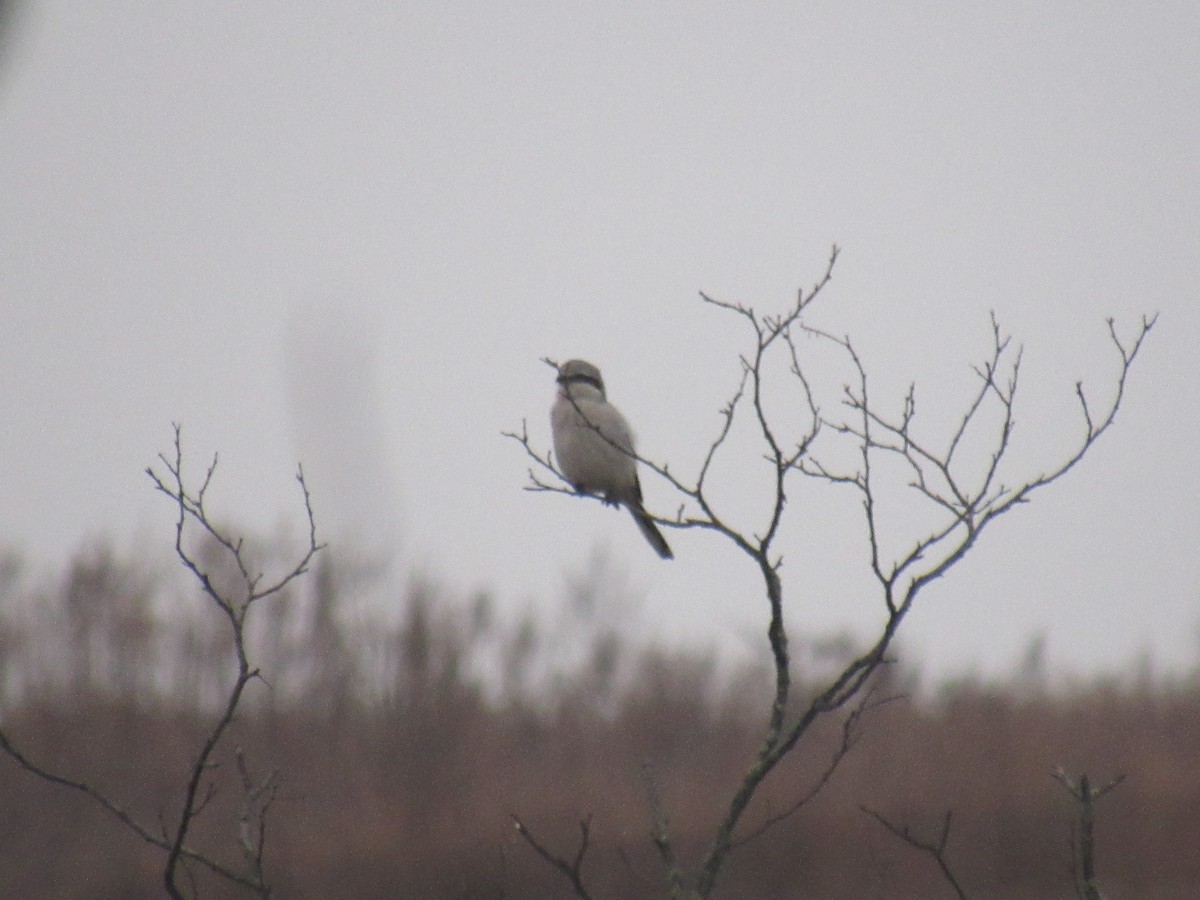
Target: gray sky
347	234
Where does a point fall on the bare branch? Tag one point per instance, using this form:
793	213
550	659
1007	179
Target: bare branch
191	508
257	798
936	849
660	834
121	814
199	791
727	413
1085	797
572	868
850	733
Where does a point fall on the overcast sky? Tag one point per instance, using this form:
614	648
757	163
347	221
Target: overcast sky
347	233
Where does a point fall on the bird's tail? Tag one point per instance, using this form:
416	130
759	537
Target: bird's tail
651	532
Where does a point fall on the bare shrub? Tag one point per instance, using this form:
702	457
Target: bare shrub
962	481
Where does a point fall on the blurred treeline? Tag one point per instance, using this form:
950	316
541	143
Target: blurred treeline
404	742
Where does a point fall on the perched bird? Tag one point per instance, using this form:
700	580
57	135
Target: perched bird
594	446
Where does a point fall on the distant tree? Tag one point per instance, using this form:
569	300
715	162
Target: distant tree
962	478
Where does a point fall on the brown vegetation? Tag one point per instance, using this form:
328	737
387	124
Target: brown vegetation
402	749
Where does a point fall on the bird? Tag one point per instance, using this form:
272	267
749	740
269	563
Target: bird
594	446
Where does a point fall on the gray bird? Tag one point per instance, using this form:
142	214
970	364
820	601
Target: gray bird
594	443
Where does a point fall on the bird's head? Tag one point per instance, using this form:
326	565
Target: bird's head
580	372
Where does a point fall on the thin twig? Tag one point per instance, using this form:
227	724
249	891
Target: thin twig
572	868
936	849
660	835
850	732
